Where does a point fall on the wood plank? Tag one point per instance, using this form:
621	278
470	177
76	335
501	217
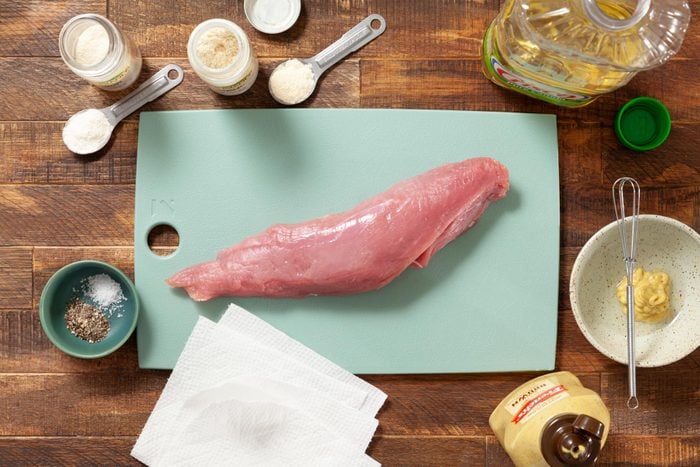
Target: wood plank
495	454
26	96
460	84
437	84
24	348
678	451
33	152
110	450
31	27
674	164
90	450
428	451
67	215
585	208
580	152
105	404
16	274
406	452
668	402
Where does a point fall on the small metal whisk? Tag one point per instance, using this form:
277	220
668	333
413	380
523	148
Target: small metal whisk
629	253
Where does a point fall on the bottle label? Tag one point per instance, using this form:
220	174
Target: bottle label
534	398
114	81
243	84
510	79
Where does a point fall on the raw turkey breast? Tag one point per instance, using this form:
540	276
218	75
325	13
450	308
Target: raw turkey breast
359	250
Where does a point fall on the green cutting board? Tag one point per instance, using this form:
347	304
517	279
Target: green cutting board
486	302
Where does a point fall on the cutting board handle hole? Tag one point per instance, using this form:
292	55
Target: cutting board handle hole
163	240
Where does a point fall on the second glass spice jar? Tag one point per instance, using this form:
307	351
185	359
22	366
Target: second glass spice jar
221	54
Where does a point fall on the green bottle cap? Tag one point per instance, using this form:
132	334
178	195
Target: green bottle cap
643	124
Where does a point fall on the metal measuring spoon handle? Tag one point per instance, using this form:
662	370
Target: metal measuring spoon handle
155	86
89	130
354	39
283	77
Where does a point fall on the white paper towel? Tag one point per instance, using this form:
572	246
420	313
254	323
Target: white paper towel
243	321
297	426
260	434
244	366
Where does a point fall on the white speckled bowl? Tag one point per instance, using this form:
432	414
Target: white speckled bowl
665	244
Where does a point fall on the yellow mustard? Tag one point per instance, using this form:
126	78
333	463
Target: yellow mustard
651	295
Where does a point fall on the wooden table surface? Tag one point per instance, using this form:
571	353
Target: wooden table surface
56	208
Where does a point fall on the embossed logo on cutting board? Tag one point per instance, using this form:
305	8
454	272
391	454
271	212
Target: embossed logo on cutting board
163	208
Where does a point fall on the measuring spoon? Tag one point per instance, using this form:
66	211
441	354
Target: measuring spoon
89	130
360	35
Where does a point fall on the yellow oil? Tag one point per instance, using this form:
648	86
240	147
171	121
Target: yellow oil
615	10
550	50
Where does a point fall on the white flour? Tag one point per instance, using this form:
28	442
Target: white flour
92	45
86	131
292	82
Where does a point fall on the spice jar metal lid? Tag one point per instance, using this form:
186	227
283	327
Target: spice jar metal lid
272	16
643	123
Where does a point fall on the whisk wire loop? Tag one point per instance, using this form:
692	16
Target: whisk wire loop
629	253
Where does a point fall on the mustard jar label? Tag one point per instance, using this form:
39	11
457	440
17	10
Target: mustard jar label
535	398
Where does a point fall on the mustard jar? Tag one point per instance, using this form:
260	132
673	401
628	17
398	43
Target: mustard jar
552	420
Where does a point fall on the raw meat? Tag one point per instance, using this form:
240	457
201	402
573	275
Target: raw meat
359	250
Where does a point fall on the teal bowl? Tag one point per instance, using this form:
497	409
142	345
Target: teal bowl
67	284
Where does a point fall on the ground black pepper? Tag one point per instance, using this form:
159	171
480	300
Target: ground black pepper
86	322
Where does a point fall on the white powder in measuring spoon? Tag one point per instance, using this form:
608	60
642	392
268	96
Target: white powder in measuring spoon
92	45
292	82
87	131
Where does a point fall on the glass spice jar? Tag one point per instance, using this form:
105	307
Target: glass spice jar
220	52
97	51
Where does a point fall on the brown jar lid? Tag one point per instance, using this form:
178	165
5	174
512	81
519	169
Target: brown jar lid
571	440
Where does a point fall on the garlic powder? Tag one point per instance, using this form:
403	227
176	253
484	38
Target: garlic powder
217	48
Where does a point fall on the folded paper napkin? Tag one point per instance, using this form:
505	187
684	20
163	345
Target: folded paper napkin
244	393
